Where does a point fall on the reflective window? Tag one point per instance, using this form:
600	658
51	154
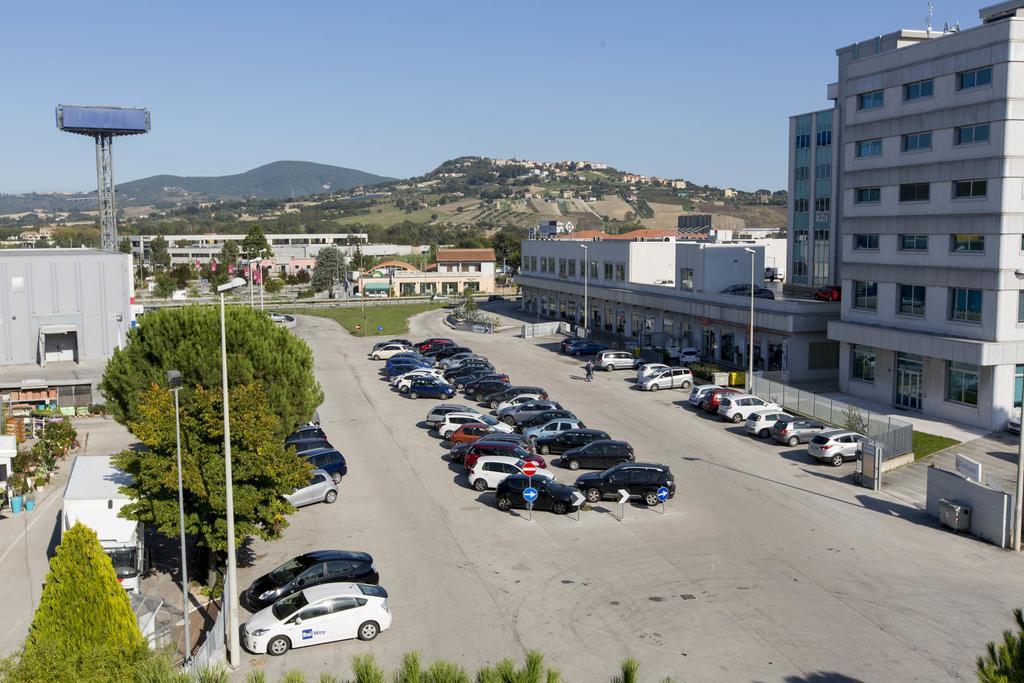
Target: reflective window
975	78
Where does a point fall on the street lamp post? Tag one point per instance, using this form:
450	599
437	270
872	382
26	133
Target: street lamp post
1017	508
750	339
230	589
174	382
259	264
586	274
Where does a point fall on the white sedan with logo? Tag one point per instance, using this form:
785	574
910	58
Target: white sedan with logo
319	614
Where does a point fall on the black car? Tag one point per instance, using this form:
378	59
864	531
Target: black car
481	391
311	569
467	370
574	438
551	495
567	342
306	431
598	455
641	480
447	351
309	444
543	418
495	297
329	460
499	397
487	376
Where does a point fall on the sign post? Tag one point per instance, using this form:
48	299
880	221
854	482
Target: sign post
577	500
662	496
623	497
530	493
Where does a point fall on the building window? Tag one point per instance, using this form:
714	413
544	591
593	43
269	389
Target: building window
1020	306
911	300
801	205
803	140
572	267
561	267
822	355
865	295
533	267
913	242
862	366
970	188
965	305
962	383
869	148
801	173
543	266
867	195
608	267
823	171
968	135
917	90
822	204
593	269
823	138
914	192
917	142
871	100
975	78
965	242
686	279
865	242
620	271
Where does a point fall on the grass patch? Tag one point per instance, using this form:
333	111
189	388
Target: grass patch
393	318
925	444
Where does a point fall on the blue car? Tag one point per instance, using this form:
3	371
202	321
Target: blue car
585	348
411	355
329	460
406	363
428	388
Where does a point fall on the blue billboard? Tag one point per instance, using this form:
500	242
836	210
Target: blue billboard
118	120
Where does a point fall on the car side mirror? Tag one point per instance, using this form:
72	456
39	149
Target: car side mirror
298	620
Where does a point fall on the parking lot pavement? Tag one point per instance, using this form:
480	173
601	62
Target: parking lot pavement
764	566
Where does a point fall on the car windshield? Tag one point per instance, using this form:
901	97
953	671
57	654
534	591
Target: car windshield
289	570
124	560
487	420
286	607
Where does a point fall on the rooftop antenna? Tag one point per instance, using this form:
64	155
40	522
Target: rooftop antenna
928	19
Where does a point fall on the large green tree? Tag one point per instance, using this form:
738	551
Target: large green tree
254	241
125	246
329	270
187	339
1004	662
229	253
158	253
507	243
262	468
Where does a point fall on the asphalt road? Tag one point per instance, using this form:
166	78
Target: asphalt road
765	566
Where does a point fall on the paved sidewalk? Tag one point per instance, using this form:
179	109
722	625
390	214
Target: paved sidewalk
953	430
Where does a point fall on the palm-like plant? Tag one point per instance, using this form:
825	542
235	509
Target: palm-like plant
628	674
1004	663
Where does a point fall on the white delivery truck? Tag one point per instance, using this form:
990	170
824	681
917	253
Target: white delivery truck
92	498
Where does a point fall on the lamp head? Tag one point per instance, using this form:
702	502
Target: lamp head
233	283
749	250
1019	273
174	379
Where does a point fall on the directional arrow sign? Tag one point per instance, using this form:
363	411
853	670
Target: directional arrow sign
623	496
529	494
663	494
577	498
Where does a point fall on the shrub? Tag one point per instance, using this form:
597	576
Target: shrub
704	370
305	294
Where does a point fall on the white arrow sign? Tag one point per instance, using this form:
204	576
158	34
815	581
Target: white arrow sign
623	496
577	498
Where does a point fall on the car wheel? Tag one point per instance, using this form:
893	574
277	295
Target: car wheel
508	420
737	418
686	385
593	495
573	464
545	450
368	630
651	498
493	404
331	496
278	646
504	503
763	434
376	357
836	460
413	394
403	390
559	507
336	477
654	387
447	435
793	441
480	485
578	354
479	398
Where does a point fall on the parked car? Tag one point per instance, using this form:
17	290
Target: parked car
829	293
407	355
452	421
564	345
760	423
484	388
688	355
401	342
329	460
526	410
495	297
457	452
585	348
556	426
1013	424
699	393
469	432
714	398
447	352
418	372
835	446
564	441
640	480
388	350
433	343
744	290
649	370
738	407
551	495
516	401
306	431
403	382
487	472
430	388
309	444
483	375
321	614
486	446
671	378
311	569
459	360
496	398
543	417
436	415
404	386
599	454
402	368
468	371
614	360
321	488
794	430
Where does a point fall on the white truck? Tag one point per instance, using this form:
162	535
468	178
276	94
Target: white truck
92	498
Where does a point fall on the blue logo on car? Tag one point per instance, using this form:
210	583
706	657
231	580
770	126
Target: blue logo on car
307	633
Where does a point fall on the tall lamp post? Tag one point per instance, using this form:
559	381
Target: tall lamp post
259	264
1017	508
174	382
230	588
750	339
586	274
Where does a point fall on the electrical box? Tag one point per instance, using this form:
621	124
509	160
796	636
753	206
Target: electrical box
954	515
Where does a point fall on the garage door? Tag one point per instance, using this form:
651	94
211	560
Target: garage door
60	347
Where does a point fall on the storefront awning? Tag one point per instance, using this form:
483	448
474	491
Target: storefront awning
377	287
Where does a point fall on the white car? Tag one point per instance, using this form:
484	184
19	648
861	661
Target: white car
699	393
556	426
738	407
649	370
388	350
835	446
489	470
689	355
418	372
319	614
405	383
516	401
760	423
670	378
452	421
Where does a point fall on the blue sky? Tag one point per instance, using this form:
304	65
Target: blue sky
692	89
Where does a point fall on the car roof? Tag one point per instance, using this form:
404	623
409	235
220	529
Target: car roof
631	465
446	406
507	459
327	555
617	442
335	590
735	396
464	413
835	433
586	431
318	451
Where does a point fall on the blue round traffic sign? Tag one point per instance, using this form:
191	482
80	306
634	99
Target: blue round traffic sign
530	494
663	494
380	328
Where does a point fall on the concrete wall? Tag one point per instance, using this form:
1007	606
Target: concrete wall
991	510
651	261
717	266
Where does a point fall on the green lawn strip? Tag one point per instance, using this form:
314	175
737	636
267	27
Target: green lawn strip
925	444
394	319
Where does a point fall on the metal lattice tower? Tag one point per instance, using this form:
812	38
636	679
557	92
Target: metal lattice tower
102	124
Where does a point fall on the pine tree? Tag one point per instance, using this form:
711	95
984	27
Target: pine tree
158	253
330	267
254	241
1004	662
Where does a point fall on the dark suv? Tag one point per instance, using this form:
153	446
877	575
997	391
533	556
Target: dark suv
306	431
551	495
329	460
446	351
641	480
311	569
481	390
598	455
574	438
308	444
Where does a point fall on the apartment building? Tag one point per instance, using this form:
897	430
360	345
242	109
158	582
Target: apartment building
931	218
814	253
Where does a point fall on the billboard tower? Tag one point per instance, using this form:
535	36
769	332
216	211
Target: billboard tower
102	124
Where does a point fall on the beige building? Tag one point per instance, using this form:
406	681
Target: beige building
455	271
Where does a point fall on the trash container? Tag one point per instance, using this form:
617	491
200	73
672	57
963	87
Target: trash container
955	515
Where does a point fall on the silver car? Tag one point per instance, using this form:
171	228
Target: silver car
614	360
835	446
760	423
671	378
699	393
321	489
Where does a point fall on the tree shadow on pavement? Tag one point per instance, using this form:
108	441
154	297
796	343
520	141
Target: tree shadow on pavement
822	677
51	547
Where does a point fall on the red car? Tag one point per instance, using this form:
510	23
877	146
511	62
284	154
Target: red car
829	293
710	403
509	449
471	431
434	343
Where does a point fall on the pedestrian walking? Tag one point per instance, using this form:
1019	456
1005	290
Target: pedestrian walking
590	370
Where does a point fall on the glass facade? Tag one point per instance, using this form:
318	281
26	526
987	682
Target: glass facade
801	199
820	272
812	199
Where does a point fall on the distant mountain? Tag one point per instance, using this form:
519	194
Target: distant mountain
277	180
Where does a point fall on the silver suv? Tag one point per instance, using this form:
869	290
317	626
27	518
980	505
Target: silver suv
669	378
615	360
794	430
835	446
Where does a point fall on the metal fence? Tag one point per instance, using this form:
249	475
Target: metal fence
897	436
211	653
